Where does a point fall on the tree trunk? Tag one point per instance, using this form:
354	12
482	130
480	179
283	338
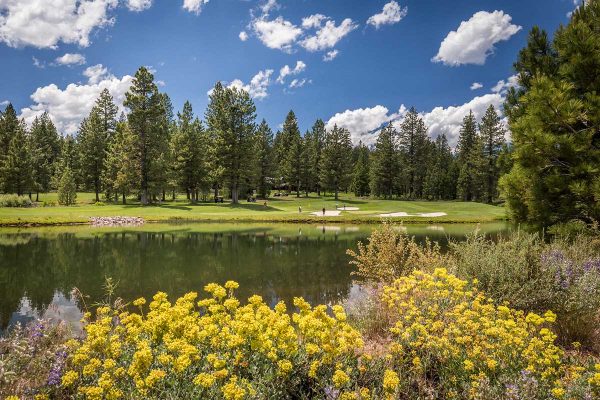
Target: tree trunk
164	195
234	193
124	199
298	189
97	195
173	195
37	196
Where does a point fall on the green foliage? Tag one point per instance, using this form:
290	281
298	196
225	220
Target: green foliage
384	164
470	160
360	176
121	168
17	174
412	142
555	123
264	159
13	200
67	190
337	152
293	162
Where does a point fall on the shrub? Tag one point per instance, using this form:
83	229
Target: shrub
390	254
561	275
67	188
13	200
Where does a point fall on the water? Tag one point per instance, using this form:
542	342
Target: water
40	267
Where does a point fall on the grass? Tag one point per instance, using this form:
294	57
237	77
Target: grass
278	209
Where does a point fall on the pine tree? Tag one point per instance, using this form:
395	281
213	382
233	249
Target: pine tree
92	144
292	163
264	159
360	175
45	152
107	113
384	163
9	123
17	169
337	153
67	188
68	158
412	142
121	172
439	183
230	117
315	152
146	121
555	126
492	134
469	157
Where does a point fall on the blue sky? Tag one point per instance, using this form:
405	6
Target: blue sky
389	55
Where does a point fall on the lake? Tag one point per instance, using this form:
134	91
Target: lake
40	267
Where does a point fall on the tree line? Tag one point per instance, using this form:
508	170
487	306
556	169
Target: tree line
153	153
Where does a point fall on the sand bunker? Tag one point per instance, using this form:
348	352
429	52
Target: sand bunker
348	208
327	213
424	215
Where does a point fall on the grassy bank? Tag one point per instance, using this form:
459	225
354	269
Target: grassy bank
282	209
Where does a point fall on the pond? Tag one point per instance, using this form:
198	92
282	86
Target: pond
40	267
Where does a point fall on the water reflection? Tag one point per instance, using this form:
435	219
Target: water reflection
39	268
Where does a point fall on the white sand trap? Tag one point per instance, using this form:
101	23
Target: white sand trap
396	214
424	215
327	213
348	208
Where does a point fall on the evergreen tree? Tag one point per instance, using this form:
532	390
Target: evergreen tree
188	166
17	169
121	172
230	117
315	153
469	157
492	134
555	127
264	159
412	142
146	121
67	189
337	153
9	124
439	182
384	163
45	152
107	113
293	165
92	144
360	175
69	158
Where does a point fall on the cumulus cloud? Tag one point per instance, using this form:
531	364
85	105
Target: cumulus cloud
330	55
474	39
313	21
138	5
276	34
298	83
44	23
365	123
502	86
194	6
391	14
70	59
258	86
68	106
243	36
476	85
286	70
328	35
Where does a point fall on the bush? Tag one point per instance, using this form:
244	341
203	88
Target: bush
13	200
562	275
67	189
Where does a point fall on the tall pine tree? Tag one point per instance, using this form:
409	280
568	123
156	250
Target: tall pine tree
337	157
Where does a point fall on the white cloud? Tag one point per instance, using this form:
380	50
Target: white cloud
313	21
194	6
328	35
37	63
330	55
67	107
298	83
257	88
448	120
364	123
70	59
392	13
476	85
286	70
268	6
502	86
4	103
276	34
138	5
45	23
474	39
243	36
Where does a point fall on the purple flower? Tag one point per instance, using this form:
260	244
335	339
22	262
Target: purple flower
55	374
592	265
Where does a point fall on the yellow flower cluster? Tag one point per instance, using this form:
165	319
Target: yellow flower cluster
220	348
444	325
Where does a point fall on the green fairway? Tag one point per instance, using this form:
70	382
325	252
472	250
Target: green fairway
278	209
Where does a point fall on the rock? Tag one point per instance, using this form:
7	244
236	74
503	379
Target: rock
117	221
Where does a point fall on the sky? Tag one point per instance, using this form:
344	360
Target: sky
355	63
